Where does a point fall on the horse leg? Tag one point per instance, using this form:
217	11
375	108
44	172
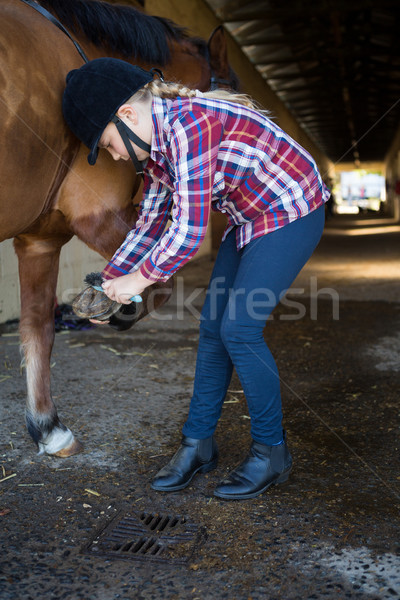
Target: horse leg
38	269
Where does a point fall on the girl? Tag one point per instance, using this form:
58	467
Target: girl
202	151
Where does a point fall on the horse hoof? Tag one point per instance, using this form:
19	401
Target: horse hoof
74	448
93	304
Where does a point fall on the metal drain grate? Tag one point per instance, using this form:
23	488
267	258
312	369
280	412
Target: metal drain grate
148	536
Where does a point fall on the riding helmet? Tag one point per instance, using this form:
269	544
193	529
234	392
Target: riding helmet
95	92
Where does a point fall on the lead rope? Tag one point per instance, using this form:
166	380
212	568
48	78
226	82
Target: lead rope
45	13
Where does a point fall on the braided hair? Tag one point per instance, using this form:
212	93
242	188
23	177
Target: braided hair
171	89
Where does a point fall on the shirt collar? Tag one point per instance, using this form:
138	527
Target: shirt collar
162	112
160	108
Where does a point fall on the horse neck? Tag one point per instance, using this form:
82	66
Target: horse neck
186	65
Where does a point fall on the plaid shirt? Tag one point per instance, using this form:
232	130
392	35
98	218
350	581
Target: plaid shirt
212	154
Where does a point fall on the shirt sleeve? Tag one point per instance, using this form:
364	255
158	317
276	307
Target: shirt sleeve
153	216
193	150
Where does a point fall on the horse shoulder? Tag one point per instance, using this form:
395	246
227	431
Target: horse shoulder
97	201
36	145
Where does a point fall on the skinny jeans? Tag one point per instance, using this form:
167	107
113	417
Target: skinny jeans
244	288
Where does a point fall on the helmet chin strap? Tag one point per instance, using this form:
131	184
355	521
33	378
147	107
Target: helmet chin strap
127	134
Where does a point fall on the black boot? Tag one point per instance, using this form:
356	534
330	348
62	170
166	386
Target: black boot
193	456
264	466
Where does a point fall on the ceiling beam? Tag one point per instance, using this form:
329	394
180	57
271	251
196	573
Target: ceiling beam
293	10
334	63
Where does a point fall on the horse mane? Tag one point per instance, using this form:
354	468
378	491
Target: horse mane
122	29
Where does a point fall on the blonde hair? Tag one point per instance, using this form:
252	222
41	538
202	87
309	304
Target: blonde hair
171	89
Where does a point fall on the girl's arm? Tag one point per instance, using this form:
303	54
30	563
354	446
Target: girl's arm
153	216
193	150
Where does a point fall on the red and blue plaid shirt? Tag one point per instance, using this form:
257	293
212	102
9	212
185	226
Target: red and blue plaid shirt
212	154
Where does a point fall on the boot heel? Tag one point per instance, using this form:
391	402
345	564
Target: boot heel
282	478
208	467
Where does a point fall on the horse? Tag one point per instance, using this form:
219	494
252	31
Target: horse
48	191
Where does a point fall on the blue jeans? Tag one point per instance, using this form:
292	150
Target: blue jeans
244	288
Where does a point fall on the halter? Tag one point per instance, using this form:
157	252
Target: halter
215	82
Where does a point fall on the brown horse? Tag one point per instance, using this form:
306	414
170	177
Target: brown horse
48	191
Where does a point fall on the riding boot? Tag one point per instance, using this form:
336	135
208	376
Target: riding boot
264	466
193	456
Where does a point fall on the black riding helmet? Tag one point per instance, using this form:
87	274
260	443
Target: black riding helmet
92	97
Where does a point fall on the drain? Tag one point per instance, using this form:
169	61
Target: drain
148	536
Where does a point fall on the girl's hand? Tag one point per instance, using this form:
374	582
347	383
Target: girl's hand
121	289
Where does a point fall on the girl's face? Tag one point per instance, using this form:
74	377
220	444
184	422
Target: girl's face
139	120
112	142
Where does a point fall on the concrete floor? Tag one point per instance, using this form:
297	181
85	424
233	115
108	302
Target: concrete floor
331	532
